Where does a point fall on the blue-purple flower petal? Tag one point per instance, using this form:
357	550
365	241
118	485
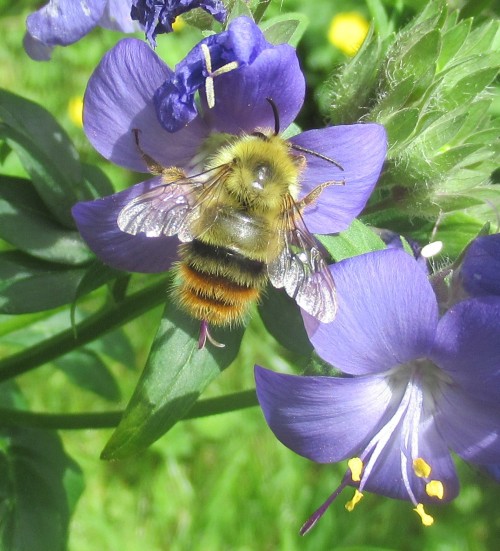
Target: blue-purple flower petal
116	17
480	269
468	346
387	314
326	419
157	16
471	427
360	149
240	105
119	98
96	222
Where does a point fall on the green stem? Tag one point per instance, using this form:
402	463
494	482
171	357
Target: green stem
110	419
84	332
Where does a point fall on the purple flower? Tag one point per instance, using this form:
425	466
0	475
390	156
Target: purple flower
121	97
63	22
157	16
480	269
416	386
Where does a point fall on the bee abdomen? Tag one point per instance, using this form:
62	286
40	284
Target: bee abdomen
217	284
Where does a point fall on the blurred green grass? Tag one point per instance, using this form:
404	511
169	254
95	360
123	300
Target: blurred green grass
220	483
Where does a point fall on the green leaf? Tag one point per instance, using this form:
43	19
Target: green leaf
282	319
96	182
353	88
357	239
30	285
87	370
26	223
452	41
175	375
39	488
45	151
400	126
287	28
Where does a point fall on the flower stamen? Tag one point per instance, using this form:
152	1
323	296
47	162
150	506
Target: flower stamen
357	497
427	520
209	81
356	466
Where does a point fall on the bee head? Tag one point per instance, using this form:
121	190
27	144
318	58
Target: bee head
263	172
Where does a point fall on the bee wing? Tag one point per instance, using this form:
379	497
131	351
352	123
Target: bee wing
301	268
170	209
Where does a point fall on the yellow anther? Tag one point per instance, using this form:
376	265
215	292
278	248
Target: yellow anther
209	81
427	520
178	24
356	466
422	468
435	488
354	501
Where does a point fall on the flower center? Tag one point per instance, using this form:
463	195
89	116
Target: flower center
416	385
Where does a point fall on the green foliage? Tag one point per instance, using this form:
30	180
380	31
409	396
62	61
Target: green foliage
429	85
175	375
432	84
39	487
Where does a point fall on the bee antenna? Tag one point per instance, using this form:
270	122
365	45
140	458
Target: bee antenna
276	116
315	154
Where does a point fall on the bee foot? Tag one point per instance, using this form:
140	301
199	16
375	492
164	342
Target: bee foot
205	334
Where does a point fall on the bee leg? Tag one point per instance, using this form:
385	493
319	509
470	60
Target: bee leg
316	192
205	334
153	166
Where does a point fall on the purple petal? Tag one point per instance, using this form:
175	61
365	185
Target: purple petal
360	149
96	222
471	427
240	95
468	346
387	314
119	98
38	51
157	17
62	22
480	267
116	17
325	419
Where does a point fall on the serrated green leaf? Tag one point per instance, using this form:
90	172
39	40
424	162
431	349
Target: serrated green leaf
452	41
467	88
394	99
282	319
26	223
383	26
449	203
400	126
416	58
353	89
287	28
45	151
39	489
175	375
482	39
87	370
357	239
30	285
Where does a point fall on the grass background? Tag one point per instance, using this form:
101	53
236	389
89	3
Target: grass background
224	482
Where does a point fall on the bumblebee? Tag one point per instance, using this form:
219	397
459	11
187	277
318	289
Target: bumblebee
239	227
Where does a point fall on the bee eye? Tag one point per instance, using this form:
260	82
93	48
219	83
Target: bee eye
261	176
